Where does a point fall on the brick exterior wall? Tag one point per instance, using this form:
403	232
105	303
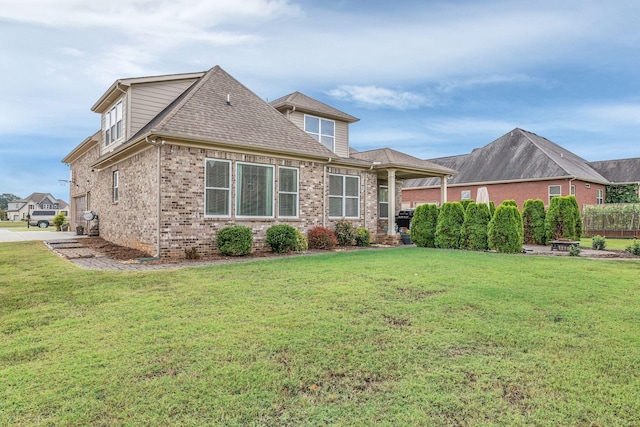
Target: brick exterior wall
179	208
520	192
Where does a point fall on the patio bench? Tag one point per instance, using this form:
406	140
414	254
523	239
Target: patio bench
563	245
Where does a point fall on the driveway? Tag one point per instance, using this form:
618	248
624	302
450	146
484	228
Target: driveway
6	235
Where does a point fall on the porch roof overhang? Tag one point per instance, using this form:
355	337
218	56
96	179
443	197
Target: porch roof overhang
408	172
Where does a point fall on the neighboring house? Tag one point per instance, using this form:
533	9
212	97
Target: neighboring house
519	165
178	157
19	209
620	172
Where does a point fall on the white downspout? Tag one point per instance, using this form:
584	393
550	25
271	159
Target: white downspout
391	226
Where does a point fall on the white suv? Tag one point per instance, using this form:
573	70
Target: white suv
42	217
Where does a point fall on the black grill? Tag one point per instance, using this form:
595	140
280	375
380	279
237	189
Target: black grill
403	219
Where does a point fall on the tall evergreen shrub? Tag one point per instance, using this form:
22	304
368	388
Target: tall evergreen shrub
563	219
465	203
533	216
423	226
475	227
449	227
505	230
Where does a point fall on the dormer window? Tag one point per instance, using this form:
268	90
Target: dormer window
113	124
322	130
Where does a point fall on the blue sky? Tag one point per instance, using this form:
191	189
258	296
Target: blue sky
430	78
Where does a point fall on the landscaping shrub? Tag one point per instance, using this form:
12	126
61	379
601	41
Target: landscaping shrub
465	203
449	227
191	253
505	230
509	203
474	228
281	238
634	249
563	219
533	220
346	233
59	220
574	251
235	240
321	238
301	242
598	242
363	237
423	226
492	209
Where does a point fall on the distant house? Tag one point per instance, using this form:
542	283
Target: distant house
620	172
180	156
519	165
19	209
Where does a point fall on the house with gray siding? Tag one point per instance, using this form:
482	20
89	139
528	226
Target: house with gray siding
178	157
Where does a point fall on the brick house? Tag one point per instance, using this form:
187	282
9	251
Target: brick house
519	165
180	156
19	209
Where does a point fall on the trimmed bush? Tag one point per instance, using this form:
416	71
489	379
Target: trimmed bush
235	240
423	226
509	203
301	242
505	230
465	203
563	219
492	209
574	251
598	242
634	249
321	238
281	238
363	237
346	233
533	222
449	227
475	227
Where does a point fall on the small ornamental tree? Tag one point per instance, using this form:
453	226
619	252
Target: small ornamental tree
474	229
449	227
423	226
533	217
563	219
505	230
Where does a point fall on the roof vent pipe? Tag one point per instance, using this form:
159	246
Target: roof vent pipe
228	99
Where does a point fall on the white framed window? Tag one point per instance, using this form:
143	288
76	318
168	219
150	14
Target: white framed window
113	124
217	188
465	195
116	183
288	195
573	190
344	196
599	197
554	191
383	201
254	190
322	130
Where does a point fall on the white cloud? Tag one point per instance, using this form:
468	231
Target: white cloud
379	97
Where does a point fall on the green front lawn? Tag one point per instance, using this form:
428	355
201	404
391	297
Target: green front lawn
403	336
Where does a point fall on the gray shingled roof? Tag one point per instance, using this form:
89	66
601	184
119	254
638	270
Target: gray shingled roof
387	157
307	104
624	171
517	155
202	112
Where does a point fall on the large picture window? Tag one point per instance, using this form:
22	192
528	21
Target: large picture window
217	188
254	195
344	196
321	130
287	192
113	124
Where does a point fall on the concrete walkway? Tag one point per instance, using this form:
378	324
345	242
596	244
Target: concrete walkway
7	235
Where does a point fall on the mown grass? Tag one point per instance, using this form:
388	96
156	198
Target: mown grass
22	226
404	336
